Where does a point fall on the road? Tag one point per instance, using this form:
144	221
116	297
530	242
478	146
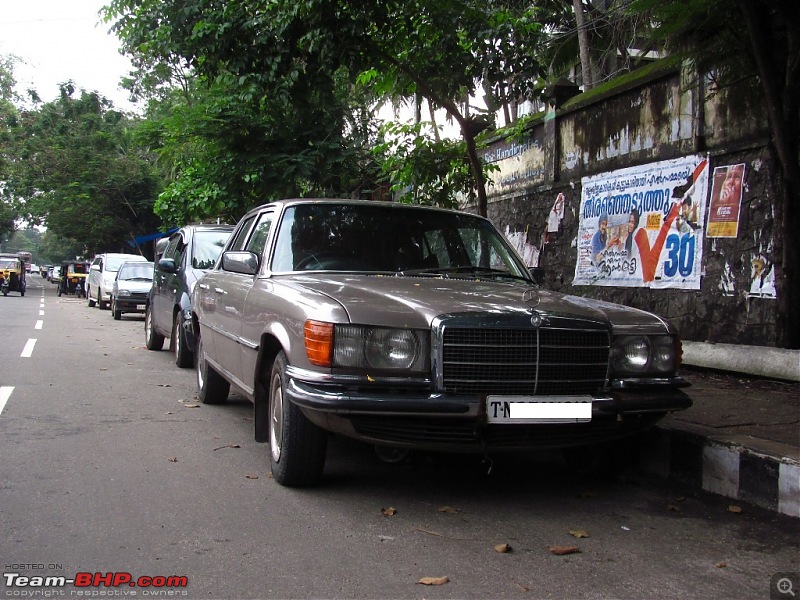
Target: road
109	465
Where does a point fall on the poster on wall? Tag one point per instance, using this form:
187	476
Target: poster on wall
643	226
725	203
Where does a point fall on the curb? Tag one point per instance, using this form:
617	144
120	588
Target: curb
759	472
760	361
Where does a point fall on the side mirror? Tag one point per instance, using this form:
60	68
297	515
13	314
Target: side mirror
167	265
245	263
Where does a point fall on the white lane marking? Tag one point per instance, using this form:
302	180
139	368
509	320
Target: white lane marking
27	351
39	324
41	313
5	394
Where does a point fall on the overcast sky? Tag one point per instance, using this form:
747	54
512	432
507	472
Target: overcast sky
59	40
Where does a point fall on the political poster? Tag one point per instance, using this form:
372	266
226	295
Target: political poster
643	226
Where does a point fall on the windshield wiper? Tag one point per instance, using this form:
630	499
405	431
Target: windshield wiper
464	269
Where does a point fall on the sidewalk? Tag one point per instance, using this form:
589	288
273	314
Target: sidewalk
741	439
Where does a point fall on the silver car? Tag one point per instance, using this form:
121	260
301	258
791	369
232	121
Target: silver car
416	328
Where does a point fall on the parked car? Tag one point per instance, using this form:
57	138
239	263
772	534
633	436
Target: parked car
101	276
55	274
416	328
182	259
131	288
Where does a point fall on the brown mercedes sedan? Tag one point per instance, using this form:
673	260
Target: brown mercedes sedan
416	328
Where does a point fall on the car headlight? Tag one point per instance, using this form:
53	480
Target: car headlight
358	346
121	293
645	355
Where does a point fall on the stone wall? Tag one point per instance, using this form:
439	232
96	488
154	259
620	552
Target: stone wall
664	113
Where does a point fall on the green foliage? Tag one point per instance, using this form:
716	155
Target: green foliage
71	164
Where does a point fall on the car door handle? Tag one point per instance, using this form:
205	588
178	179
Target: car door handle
204	286
220	291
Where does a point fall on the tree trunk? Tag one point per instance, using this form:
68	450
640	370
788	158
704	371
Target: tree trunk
583	43
783	113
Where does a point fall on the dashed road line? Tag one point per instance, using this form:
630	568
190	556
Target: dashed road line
5	394
27	351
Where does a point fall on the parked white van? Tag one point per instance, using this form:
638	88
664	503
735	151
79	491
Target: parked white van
101	276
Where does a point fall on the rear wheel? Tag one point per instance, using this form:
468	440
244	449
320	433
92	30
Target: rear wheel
212	388
183	355
152	339
297	446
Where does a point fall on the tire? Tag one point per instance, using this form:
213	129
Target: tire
152	339
89	298
297	446
184	357
117	314
101	303
212	388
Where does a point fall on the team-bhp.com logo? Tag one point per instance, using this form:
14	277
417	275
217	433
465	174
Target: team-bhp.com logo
111	579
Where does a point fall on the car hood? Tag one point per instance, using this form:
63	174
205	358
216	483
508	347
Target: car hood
416	301
134	286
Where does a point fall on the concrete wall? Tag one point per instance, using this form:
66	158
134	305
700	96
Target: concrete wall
666	112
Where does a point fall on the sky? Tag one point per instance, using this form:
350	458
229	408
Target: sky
59	40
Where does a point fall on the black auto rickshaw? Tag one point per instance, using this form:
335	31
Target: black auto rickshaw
12	273
73	278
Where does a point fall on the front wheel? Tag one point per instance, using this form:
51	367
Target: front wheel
297	446
152	339
89	298
212	388
183	355
115	312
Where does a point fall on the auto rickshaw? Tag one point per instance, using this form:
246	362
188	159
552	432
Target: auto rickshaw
73	278
12	273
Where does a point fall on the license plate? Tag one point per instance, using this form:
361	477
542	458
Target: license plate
538	409
141	306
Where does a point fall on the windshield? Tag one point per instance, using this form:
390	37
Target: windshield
399	239
207	247
9	264
137	270
113	262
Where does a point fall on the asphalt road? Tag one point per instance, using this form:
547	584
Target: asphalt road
109	465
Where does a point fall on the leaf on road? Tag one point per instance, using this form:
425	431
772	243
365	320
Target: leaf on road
563	550
173	459
192	405
734	508
227	446
673	508
388	512
502	548
164	385
251	476
434	580
722	565
448	509
578	533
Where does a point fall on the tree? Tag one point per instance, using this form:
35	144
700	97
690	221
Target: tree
297	53
72	164
760	39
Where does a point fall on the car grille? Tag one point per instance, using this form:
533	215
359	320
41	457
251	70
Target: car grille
543	361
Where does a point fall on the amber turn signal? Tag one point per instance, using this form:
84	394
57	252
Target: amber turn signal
319	342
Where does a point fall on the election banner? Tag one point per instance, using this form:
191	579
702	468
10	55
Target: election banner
643	226
726	199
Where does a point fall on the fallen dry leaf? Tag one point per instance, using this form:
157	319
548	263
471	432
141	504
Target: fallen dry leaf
227	446
722	565
673	508
164	385
269	475
192	405
734	508
502	548
448	509
173	459
434	580
562	550
388	512
252	476
578	533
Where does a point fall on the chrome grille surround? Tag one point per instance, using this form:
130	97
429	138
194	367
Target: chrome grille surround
508	355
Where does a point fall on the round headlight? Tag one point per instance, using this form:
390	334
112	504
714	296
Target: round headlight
391	348
632	354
